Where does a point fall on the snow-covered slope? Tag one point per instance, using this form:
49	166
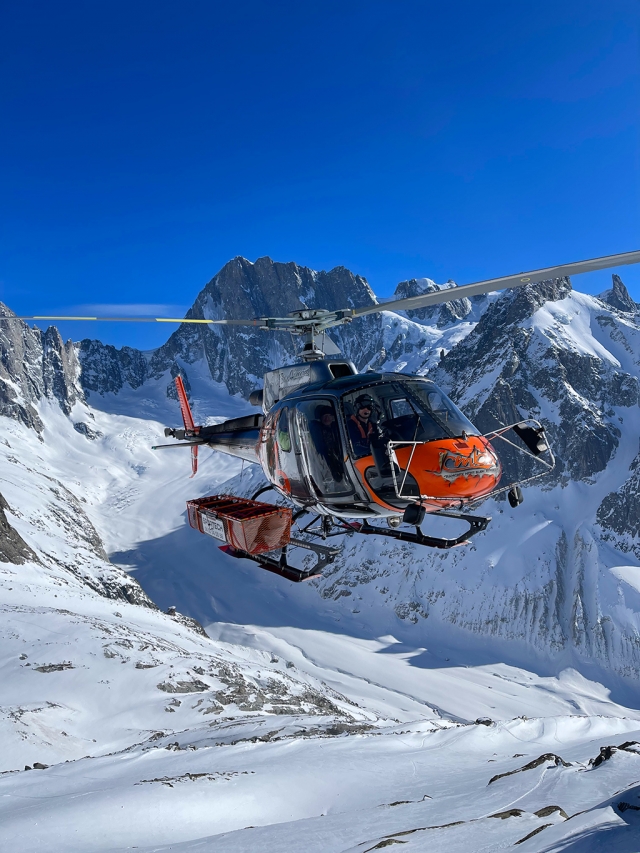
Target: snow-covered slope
350	713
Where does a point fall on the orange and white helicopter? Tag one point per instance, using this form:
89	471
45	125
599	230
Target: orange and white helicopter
350	448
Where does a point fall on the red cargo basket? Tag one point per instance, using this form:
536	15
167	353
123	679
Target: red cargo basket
246	525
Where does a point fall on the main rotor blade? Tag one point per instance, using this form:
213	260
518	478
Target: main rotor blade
493	284
258	322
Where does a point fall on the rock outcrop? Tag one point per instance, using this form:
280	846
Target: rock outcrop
35	365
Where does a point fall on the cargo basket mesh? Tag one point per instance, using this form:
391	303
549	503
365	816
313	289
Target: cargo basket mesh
248	526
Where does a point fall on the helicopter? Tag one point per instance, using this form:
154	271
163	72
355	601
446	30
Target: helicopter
361	453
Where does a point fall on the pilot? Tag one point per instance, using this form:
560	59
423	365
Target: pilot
360	426
327	440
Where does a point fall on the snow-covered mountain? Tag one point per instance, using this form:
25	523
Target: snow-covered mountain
571	360
352	712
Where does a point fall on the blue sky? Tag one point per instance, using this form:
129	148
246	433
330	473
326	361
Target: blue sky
144	144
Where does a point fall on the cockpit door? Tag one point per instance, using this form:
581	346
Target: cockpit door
290	474
323	454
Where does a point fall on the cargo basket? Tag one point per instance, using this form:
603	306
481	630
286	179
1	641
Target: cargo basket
246	525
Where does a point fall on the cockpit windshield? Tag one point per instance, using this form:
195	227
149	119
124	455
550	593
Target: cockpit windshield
409	410
440	407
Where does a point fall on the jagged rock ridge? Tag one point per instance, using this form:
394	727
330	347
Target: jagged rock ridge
240	356
35	365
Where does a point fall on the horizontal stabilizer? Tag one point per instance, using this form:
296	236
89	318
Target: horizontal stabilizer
181	444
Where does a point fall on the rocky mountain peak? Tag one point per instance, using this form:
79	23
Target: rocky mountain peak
542	351
240	356
511	366
268	288
441	315
618	296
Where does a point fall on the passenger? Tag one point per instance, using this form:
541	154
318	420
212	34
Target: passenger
327	440
360	426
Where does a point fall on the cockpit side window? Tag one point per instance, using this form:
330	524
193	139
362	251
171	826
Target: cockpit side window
284	436
388	411
321	445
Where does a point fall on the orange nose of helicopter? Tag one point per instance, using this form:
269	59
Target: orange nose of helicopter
451	470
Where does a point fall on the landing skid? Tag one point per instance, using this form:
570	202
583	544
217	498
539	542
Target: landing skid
477	524
279	565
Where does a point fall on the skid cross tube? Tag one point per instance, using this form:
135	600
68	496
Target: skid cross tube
280	566
477	523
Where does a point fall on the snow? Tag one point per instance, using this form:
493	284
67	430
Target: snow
312	717
628	574
569	322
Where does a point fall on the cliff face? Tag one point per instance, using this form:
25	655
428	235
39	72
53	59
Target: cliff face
35	365
239	357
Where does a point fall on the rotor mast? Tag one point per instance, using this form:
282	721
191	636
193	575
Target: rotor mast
309	323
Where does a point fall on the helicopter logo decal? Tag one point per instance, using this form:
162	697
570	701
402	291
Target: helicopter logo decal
477	464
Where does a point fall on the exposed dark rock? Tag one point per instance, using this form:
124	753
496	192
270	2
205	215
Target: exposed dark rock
531	370
619	512
534	832
549	810
618	296
606	752
87	431
187	621
443	314
239	356
13	548
54	667
106	369
69	513
120	586
194	686
548	756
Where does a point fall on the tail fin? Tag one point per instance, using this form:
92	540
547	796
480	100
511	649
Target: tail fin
185	408
187	419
